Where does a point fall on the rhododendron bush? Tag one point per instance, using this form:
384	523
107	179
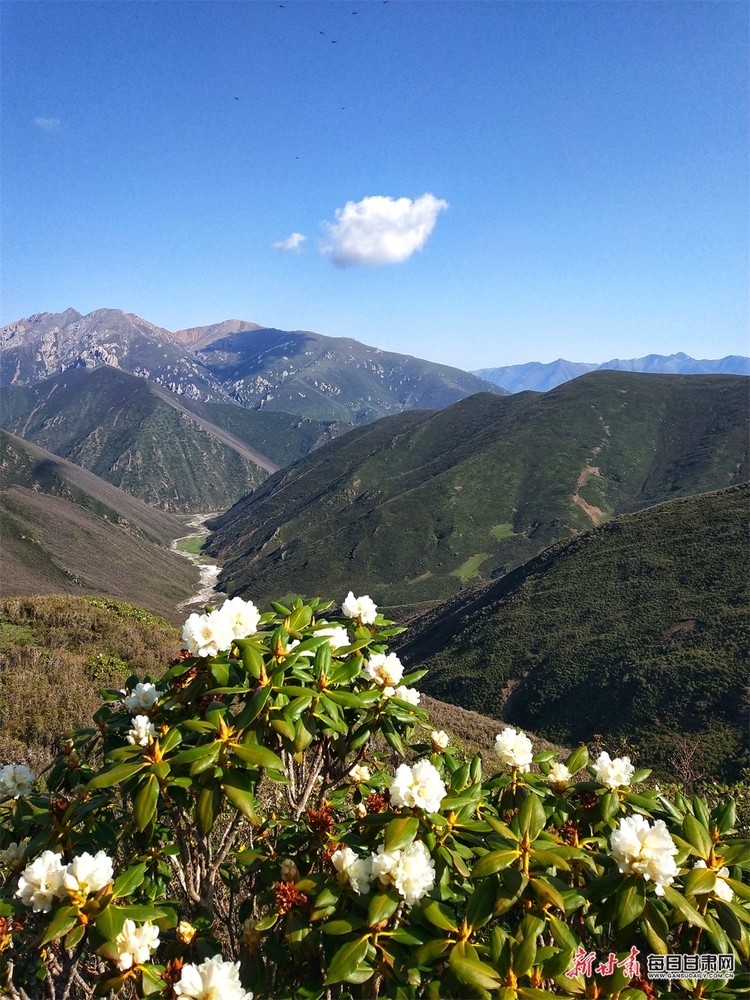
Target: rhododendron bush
276	817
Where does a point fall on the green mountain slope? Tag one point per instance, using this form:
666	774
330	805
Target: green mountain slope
418	505
637	630
136	436
64	530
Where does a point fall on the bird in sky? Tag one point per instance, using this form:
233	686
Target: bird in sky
236	98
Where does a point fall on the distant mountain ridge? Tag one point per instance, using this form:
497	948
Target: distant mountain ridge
539	377
298	372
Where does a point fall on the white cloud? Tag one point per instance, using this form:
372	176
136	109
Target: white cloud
290	243
380	230
48	124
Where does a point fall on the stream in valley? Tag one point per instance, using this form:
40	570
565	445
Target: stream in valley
209	570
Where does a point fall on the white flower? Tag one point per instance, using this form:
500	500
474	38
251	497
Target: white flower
41	884
213	979
411	870
419	786
359	774
646	850
361	810
337	636
88	873
13	854
514	749
207	635
385	669
411	695
360	607
289	871
242	617
142	699
439	739
558	774
613	773
721	889
135	944
15	780
352	869
142	731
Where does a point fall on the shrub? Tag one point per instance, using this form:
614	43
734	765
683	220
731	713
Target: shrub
236	825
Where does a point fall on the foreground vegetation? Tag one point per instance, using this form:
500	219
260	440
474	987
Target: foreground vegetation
276	814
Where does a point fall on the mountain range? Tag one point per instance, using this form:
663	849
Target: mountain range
419	505
299	372
540	377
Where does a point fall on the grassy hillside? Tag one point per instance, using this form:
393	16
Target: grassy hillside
64	649
637	630
420	505
132	435
66	531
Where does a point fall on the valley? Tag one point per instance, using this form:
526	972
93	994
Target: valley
580	545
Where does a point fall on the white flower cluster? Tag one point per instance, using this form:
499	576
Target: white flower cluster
359	773
142	699
559	775
142	732
613	773
337	635
135	944
362	608
352	869
47	879
15	780
514	749
439	740
418	787
410	870
213	979
721	889
407	694
13	855
209	634
386	670
642	849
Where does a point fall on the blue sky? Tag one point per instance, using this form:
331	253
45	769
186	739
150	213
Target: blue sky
478	183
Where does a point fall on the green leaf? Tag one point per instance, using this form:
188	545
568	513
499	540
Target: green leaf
208	759
382	906
258	756
298	619
196	753
493	862
549	859
344	698
239	788
344	926
578	759
208	807
400	832
524	955
609	805
728	919
679	903
630	901
502	828
144	806
171	740
254	707
130	879
698	881
139	913
121	772
562	934
64	919
481	903
440	915
547	893
697	835
472	972
740	889
346	960
151	979
74	937
109	923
